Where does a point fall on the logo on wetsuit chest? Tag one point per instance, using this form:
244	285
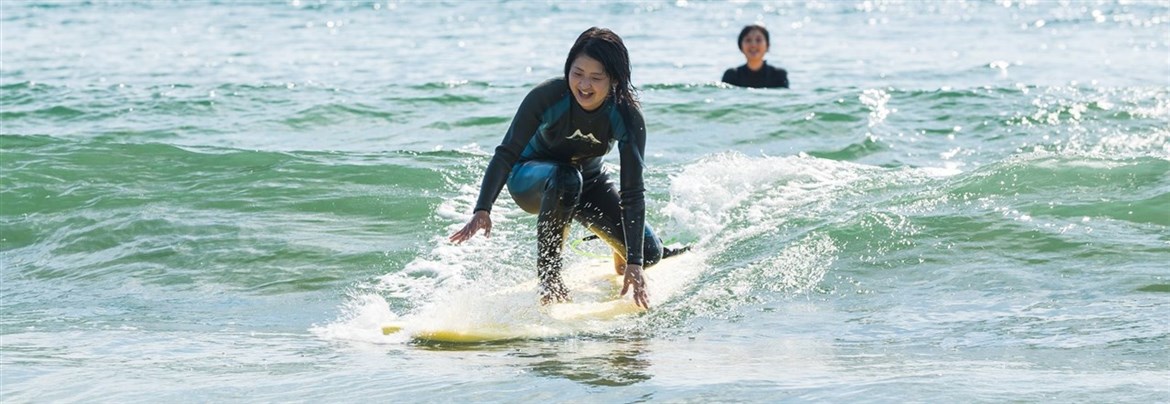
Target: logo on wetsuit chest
588	137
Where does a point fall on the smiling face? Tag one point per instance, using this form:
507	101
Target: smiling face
589	83
754	46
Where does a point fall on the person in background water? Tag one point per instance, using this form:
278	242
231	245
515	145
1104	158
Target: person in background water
551	161
754	42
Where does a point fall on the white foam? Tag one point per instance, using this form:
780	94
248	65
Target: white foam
362	320
733	189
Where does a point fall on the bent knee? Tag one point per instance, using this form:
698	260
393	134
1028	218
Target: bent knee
566	180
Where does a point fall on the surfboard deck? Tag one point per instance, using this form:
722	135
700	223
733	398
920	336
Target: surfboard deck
512	313
479	333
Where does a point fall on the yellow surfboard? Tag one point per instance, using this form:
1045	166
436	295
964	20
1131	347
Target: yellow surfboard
474	316
478	333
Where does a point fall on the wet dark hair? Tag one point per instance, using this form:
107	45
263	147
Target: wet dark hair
606	47
747	29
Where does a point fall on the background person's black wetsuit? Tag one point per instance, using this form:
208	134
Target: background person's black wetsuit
766	77
551	160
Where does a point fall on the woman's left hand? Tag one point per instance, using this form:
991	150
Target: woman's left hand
634	277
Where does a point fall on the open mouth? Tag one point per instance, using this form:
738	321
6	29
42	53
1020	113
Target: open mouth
585	96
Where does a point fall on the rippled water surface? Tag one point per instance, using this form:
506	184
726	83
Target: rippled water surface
223	201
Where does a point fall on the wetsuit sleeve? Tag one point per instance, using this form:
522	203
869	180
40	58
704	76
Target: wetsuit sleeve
524	126
632	148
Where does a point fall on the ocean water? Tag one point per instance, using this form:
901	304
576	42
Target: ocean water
221	201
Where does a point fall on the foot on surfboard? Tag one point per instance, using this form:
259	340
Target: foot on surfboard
619	264
554	291
668	252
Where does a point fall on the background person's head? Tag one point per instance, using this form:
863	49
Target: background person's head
599	50
754	42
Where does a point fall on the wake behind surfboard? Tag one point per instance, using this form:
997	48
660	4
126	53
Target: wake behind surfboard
512	313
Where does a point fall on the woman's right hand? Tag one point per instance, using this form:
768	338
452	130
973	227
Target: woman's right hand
479	220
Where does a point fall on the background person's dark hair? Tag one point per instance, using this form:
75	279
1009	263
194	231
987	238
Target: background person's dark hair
606	47
747	29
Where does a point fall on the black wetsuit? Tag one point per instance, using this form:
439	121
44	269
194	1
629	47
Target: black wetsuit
766	77
551	161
